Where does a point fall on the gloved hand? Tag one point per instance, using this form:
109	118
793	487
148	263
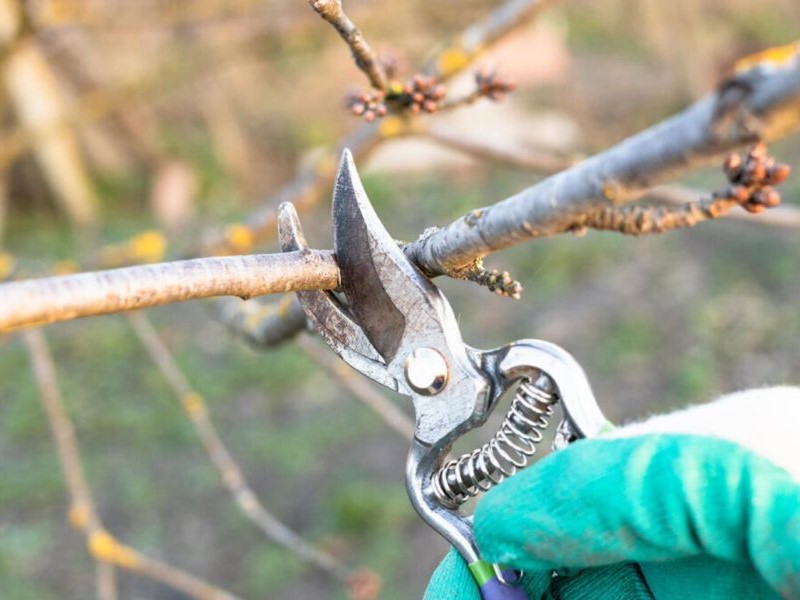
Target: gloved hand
703	503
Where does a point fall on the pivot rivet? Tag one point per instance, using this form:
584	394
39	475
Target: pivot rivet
426	371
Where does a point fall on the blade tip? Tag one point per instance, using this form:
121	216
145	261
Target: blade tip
347	167
290	232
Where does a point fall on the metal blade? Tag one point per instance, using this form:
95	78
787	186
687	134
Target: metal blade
388	296
403	313
327	315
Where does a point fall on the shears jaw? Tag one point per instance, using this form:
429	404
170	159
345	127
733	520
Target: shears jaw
405	317
327	315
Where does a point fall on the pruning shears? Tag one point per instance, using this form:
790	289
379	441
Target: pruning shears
392	324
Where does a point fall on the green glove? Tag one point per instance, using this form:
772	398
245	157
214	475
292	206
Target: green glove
704	503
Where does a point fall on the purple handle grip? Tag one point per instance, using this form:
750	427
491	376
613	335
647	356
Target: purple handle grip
494	590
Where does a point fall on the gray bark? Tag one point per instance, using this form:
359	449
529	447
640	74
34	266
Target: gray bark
761	106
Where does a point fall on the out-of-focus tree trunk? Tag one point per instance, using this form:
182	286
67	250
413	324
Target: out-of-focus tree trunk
40	107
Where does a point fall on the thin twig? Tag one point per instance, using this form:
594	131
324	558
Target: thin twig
314	181
52	299
643	220
618	175
230	473
83	515
751	179
787	217
365	58
364	393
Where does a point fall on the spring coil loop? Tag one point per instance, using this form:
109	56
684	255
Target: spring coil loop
508	451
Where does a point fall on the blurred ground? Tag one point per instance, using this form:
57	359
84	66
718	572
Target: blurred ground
657	322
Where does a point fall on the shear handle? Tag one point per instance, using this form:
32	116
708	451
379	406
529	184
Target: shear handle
525	357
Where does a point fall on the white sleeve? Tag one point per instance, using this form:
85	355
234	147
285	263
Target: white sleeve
765	421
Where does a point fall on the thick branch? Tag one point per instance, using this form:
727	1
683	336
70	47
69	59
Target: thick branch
703	132
41	301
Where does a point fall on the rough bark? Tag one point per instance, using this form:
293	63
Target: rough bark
766	107
36	302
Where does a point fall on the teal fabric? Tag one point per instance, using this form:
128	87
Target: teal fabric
659	516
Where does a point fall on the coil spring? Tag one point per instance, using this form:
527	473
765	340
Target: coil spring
508	451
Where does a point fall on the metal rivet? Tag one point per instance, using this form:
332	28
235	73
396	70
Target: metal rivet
426	371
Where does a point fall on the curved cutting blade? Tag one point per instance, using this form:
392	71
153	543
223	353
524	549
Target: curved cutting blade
401	311
327	315
387	295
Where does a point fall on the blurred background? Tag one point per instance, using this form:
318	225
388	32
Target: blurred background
121	118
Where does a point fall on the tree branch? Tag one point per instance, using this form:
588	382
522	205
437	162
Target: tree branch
41	301
365	58
536	161
104	548
230	473
787	217
106	581
704	131
710	127
477	38
311	183
549	162
264	323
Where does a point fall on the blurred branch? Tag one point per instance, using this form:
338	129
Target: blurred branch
305	190
263	323
83	512
703	132
230	473
530	160
103	547
365	58
392	416
41	301
91	107
38	101
479	37
106	581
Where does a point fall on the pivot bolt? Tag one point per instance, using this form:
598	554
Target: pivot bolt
426	371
